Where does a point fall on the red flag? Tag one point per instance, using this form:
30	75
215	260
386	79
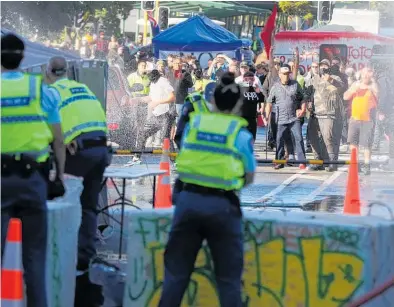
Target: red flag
269	27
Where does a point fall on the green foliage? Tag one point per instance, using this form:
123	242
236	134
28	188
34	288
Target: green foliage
296	8
386	10
51	17
308	16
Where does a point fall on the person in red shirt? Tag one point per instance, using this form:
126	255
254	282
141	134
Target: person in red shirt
101	46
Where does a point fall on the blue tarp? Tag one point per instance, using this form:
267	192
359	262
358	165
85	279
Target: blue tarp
197	34
37	54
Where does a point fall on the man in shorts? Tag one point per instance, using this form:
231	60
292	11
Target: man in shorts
363	95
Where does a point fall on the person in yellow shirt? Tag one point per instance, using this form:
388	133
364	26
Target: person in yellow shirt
363	95
139	81
89	38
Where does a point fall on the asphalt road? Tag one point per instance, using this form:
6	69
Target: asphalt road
289	187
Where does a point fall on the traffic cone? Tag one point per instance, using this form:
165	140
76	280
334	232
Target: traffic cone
352	199
12	271
163	197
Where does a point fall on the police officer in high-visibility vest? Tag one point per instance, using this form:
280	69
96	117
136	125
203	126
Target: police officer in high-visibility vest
198	102
85	135
216	160
29	123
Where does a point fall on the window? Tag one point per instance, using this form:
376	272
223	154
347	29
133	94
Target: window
330	51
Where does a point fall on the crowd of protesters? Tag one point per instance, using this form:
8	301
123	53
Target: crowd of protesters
284	95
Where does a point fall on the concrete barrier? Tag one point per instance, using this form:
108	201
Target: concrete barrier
291	259
64	219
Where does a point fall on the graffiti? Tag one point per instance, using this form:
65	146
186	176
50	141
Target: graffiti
56	272
344	236
308	273
137	288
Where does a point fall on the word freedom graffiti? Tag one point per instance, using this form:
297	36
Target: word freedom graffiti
284	267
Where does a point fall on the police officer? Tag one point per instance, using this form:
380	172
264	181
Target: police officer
84	128
198	102
29	123
216	160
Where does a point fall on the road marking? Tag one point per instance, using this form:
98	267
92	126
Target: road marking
279	188
311	177
321	188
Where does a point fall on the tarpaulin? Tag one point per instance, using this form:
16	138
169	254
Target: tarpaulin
197	34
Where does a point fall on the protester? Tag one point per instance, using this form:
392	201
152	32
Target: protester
290	108
219	66
101	46
261	72
244	68
252	99
326	105
182	90
363	96
163	96
139	81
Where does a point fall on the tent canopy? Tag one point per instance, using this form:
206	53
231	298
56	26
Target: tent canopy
37	54
197	34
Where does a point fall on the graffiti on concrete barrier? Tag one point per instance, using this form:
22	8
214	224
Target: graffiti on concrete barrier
56	271
278	272
342	235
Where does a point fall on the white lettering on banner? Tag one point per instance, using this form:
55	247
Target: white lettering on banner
251	95
361	53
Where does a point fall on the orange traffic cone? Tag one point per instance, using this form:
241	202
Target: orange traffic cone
11	271
352	200
163	197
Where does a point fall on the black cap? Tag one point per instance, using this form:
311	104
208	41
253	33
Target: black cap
285	69
12	44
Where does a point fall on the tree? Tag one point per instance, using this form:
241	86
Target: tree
386	10
50	17
302	9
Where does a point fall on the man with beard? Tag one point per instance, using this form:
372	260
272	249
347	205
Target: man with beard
252	99
326	103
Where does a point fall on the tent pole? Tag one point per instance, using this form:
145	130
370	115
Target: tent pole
157	10
145	27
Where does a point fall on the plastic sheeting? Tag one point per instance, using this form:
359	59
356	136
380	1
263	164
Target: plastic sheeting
37	54
197	34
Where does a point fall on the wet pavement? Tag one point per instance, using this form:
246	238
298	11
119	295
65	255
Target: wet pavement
289	187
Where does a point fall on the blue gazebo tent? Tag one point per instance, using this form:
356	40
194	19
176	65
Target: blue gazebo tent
197	34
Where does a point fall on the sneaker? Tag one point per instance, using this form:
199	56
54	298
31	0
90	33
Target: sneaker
331	168
344	148
367	169
316	167
134	161
302	166
308	149
279	166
